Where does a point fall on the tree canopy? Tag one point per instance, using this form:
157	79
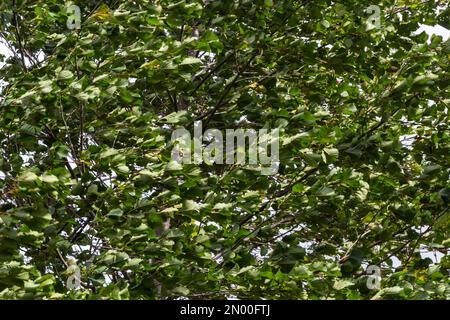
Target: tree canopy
88	188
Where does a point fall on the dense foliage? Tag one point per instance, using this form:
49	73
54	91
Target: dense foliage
87	182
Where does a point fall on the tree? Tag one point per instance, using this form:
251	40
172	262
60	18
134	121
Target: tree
88	184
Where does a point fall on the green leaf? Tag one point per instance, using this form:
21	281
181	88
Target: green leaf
174	166
190	61
175	117
49	178
326	192
65	75
115	213
28	176
183	291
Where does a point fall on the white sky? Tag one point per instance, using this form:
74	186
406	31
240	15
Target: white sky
437	30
